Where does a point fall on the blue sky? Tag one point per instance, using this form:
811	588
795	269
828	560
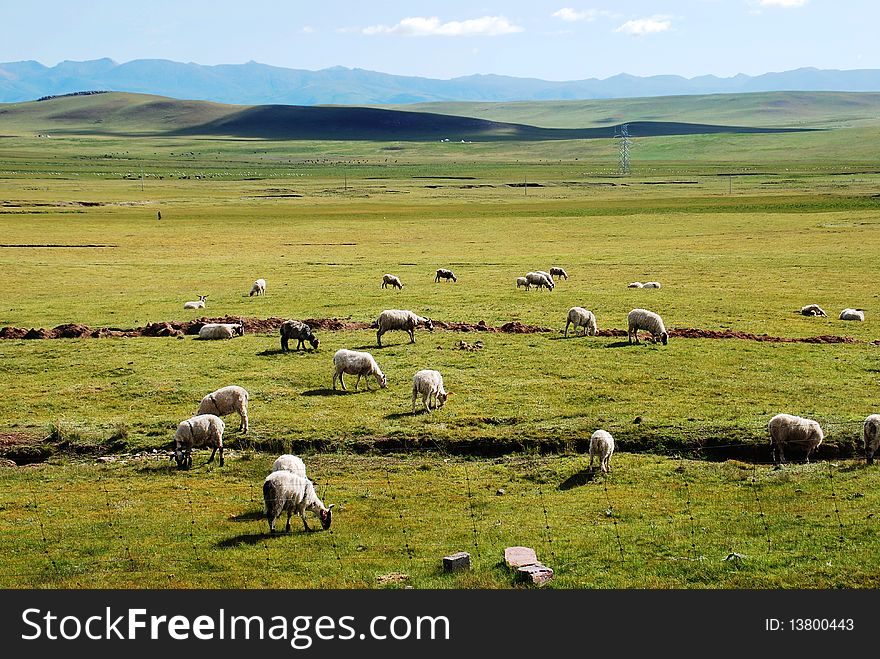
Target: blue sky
561	40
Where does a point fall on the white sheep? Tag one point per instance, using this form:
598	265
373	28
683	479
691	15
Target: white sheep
216	331
539	280
651	284
296	329
522	282
393	281
202	430
196	304
361	364
636	284
429	384
227	400
853	314
871	435
790	429
291	463
558	272
284	491
642	319
580	317
259	288
813	310
602	445
400	319
443	273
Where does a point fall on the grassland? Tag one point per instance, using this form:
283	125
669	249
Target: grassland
740	242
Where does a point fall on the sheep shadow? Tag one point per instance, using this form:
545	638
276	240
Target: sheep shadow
250	516
325	392
403	415
619	344
577	480
247	539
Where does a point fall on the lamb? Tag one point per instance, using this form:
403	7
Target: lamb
602	445
213	331
790	429
871	433
539	280
399	319
430	385
296	329
642	319
202	430
196	304
227	400
636	284
291	463
813	310
853	314
558	272
284	491
580	317
651	284
361	364
522	282
259	288
443	273
391	280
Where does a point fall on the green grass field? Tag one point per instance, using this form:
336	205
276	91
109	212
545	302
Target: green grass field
742	230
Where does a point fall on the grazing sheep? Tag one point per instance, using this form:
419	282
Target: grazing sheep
813	310
391	280
558	272
853	314
443	273
202	430
361	364
399	319
790	429
291	463
602	445
580	317
642	319
259	288
296	329
539	280
196	304
227	400
284	491
651	284
522	282
871	433
636	284
213	331
430	385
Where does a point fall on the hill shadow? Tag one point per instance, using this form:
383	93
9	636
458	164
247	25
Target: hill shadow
577	479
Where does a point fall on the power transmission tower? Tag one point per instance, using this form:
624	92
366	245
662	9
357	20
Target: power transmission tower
623	144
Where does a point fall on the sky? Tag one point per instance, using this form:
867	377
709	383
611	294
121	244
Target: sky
551	40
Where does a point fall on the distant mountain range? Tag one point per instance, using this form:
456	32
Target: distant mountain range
253	83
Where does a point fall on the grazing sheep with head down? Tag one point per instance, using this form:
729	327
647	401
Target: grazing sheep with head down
871	435
284	491
291	463
790	429
813	310
522	282
443	273
296	329
203	430
217	331
196	304
429	384
227	400
259	288
393	281
853	314
400	319
361	364
642	319
602	445
558	272
539	280
580	317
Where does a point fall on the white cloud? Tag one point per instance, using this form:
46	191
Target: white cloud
786	4
642	26
308	29
572	15
419	26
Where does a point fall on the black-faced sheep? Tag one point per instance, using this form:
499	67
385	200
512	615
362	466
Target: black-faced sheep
522	282
296	329
393	281
218	331
203	430
400	319
558	272
813	310
196	304
284	491
258	288
539	280
443	273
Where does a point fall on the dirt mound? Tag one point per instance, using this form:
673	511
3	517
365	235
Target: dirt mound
516	327
71	331
695	333
335	324
162	329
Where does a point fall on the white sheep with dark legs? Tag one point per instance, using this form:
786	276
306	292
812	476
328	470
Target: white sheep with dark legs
443	273
602	446
400	319
357	363
813	310
789	429
871	435
428	384
284	491
642	319
853	314
291	463
218	331
393	281
227	400
558	272
201	431
522	282
196	304
296	329
580	317
258	288
539	280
